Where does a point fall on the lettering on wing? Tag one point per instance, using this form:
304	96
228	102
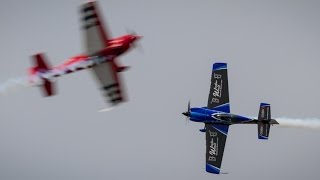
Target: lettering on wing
217	88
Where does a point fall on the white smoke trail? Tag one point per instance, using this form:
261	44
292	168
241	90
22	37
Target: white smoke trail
309	123
14	84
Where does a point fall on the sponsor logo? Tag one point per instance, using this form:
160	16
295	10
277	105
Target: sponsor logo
212	158
217	88
265	113
217	76
212	134
213	150
213	147
261	130
262	112
214	100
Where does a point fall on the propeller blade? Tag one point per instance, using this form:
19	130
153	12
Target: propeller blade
187	114
130	31
139	47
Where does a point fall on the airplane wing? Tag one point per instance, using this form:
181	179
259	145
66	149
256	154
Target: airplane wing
109	82
219	90
95	36
216	136
96	39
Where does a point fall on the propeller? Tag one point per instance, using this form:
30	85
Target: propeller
187	113
135	44
130	31
138	46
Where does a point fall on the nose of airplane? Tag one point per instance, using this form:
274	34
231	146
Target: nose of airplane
136	37
134	43
139	37
186	114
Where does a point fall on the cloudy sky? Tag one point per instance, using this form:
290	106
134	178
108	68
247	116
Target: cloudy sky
272	50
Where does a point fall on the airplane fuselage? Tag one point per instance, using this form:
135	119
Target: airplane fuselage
115	48
205	115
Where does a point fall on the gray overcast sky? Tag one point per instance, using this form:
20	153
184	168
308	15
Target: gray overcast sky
272	50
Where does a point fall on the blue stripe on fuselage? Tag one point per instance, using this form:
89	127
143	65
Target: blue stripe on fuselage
207	116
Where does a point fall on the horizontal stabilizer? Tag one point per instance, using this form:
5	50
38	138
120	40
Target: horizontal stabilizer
263	130
39	62
264	112
273	121
48	88
42	66
264	121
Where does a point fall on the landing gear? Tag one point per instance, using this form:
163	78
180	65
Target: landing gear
203	130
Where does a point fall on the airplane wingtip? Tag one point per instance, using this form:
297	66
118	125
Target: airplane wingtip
105	109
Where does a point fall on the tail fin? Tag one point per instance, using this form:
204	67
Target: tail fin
41	66
264	119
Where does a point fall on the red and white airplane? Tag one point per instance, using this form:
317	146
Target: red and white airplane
100	58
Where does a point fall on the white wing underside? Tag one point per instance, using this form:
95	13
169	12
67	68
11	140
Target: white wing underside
95	36
96	40
107	79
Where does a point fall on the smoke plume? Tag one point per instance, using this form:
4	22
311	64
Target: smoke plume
14	84
310	123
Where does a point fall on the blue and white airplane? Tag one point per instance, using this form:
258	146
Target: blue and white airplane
217	118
